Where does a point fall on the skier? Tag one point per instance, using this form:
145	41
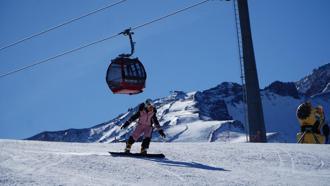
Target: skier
312	121
147	118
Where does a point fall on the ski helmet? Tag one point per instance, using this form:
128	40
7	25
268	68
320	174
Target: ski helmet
148	102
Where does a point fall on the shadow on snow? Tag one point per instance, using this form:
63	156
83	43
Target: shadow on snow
195	165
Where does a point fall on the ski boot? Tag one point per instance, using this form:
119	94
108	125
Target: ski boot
143	151
129	144
128	148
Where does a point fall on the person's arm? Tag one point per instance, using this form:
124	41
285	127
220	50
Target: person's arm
134	117
157	125
156	122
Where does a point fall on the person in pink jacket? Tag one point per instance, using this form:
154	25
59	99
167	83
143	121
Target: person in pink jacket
146	116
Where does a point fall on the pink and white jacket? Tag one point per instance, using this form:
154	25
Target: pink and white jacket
147	119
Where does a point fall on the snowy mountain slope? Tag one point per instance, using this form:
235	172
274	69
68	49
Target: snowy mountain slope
316	82
177	114
196	116
53	163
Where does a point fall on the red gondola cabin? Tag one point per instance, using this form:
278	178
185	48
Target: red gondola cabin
126	76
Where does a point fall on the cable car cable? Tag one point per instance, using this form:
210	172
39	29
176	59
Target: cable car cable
169	15
57	56
102	40
61	25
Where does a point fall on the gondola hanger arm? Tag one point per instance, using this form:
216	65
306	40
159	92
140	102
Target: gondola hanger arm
128	32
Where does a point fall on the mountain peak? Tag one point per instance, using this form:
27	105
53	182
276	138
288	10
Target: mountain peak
316	82
225	89
178	95
283	89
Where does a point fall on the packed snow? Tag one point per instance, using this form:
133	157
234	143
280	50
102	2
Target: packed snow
203	163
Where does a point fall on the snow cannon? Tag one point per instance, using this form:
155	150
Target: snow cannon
311	122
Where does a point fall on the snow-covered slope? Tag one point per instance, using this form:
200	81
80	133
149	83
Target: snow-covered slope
216	114
53	163
178	114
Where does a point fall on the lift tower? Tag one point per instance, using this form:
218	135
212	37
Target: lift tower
257	131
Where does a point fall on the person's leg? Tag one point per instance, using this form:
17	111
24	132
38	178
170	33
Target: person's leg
138	132
146	141
135	136
129	144
145	145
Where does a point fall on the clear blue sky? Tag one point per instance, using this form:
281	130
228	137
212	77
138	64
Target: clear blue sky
195	50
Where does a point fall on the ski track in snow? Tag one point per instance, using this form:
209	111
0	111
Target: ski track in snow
286	159
50	163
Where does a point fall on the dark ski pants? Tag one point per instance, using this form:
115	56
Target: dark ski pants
145	143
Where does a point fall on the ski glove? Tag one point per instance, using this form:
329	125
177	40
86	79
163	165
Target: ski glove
125	125
161	133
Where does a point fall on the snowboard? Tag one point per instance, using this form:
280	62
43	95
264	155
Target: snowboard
139	155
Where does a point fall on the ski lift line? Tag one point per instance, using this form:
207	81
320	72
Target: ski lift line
62	24
102	40
169	15
57	56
